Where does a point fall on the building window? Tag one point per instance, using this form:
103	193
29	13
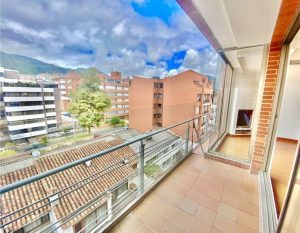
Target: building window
119	191
35	224
157	95
92	220
199	97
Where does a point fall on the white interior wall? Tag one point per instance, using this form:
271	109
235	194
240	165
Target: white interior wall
243	96
289	118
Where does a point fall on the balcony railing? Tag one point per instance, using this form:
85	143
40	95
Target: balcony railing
98	188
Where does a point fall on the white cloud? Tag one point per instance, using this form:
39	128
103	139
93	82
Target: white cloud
119	38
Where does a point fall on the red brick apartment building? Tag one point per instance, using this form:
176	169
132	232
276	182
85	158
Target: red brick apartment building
162	102
66	84
113	85
117	89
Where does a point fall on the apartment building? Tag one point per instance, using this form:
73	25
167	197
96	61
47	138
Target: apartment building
117	89
66	84
28	109
158	102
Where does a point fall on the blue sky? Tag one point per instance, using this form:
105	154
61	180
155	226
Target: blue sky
137	37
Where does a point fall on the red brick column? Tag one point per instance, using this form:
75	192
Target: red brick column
265	114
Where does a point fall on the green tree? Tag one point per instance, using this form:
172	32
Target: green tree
115	121
89	106
91	80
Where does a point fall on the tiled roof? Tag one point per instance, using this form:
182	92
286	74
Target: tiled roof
110	177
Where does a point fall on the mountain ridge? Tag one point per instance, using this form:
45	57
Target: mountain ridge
32	66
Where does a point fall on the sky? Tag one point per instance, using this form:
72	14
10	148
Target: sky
137	37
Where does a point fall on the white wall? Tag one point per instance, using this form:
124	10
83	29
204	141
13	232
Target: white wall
243	96
289	118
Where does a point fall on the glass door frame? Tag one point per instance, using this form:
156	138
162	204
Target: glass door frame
282	79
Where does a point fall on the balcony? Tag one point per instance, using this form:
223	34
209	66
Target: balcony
48	97
26	126
183	191
24	108
25	117
200	195
22	89
23	99
27	135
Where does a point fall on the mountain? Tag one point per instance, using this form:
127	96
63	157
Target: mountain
28	65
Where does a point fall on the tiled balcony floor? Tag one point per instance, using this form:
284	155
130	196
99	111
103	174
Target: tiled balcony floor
201	195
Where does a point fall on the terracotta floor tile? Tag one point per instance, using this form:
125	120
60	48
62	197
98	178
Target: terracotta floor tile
232	199
249	197
175	198
249	208
215	230
144	229
130	224
206	215
155	221
189	199
188	206
173	228
208	202
181	218
198	226
215	190
248	220
243	229
224	224
200	184
228	211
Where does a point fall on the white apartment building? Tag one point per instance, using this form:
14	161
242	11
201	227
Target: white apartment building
27	109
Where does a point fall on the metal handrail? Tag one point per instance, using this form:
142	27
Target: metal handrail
53	171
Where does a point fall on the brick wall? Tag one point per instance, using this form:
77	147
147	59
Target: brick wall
288	12
266	107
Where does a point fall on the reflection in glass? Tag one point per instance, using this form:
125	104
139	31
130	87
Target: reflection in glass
237	116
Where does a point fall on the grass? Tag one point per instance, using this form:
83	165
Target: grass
62	142
7	153
152	170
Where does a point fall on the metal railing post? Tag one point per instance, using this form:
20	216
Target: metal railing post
193	126
187	138
142	165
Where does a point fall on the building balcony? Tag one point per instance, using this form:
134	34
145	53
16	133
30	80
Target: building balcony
25	117
22	89
24	108
48	97
28	135
26	126
156	182
48	90
49	106
23	99
50	114
200	195
157	110
158	100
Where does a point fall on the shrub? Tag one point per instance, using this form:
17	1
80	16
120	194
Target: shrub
7	153
9	145
67	129
152	170
44	139
115	121
122	122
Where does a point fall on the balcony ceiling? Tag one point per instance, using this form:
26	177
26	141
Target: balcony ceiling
236	24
